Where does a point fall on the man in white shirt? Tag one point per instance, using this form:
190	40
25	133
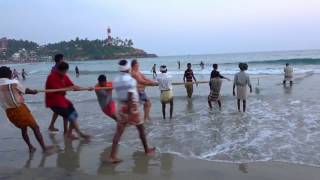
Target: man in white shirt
128	109
288	74
165	86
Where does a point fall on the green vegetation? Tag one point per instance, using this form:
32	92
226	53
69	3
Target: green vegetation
80	49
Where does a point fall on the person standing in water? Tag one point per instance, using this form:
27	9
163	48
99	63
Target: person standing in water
15	74
77	71
58	58
24	75
215	86
143	81
165	86
128	102
104	96
288	74
241	81
179	65
154	71
188	78
201	65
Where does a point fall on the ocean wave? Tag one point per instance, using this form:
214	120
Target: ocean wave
296	61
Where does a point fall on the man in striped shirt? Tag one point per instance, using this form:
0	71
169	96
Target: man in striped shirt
189	77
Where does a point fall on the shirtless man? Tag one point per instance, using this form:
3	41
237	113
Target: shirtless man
143	81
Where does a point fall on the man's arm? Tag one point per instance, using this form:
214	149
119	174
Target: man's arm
234	85
194	79
31	91
184	77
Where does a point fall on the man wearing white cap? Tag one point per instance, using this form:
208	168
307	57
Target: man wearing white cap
128	109
165	86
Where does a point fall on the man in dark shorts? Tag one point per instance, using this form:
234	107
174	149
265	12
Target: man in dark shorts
58	58
188	79
59	104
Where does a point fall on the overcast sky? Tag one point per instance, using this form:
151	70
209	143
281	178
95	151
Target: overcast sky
169	27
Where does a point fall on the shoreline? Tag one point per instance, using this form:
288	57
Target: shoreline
169	167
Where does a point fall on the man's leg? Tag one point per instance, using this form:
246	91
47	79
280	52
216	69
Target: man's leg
219	103
147	107
143	138
38	135
65	126
74	124
115	143
163	110
284	82
244	105
239	105
171	108
53	120
291	83
209	103
24	132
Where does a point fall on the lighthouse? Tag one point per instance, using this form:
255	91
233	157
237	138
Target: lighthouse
109	38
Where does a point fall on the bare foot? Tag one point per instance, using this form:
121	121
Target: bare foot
53	129
114	160
85	136
72	137
48	150
151	151
32	150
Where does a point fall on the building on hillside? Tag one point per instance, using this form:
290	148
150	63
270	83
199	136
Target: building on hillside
109	37
3	44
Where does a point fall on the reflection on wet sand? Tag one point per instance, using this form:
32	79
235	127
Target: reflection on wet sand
287	89
243	167
106	168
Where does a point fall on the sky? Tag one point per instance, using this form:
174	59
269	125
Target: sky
169	27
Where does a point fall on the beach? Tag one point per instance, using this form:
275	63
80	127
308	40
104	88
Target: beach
277	138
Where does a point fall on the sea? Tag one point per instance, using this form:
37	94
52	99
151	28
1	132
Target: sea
282	123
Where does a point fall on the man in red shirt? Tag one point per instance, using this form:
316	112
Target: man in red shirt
59	104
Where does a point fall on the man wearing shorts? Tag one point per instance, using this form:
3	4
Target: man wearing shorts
104	96
59	104
143	81
126	89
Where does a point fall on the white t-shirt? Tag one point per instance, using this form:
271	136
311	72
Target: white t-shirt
124	84
288	71
11	93
164	81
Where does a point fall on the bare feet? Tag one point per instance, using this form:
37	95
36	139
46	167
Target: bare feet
114	160
48	150
151	151
32	150
85	136
53	129
72	136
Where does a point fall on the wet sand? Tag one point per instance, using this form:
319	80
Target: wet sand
165	166
84	160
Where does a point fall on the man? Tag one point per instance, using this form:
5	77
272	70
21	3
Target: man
215	86
128	102
154	71
189	77
58	58
288	74
241	81
59	104
165	86
77	71
104	96
18	113
142	83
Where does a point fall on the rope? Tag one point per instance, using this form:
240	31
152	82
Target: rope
108	88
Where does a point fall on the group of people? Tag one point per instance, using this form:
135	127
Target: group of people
129	87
